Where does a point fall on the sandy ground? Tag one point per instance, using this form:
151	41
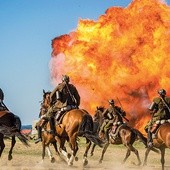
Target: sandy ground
30	159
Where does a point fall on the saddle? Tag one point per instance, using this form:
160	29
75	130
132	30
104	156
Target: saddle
156	126
115	130
2	113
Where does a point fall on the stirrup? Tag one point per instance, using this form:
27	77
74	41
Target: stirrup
37	140
150	144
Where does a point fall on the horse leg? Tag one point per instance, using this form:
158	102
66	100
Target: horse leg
135	151
146	156
62	149
74	148
88	144
43	150
162	149
103	152
11	149
127	155
50	154
92	150
2	144
55	147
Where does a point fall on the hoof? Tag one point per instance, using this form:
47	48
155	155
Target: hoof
100	161
85	162
76	158
53	160
69	155
9	157
70	164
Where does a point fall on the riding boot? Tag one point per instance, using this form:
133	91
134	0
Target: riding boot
52	126
107	135
150	141
39	139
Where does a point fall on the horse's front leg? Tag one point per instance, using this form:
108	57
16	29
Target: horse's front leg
55	147
62	149
103	152
50	154
11	149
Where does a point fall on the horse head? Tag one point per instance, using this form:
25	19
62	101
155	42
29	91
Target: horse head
45	104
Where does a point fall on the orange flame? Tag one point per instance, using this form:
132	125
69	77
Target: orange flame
125	54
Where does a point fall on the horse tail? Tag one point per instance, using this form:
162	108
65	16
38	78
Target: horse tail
140	136
144	140
86	130
22	138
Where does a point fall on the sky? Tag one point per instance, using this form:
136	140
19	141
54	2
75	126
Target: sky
26	32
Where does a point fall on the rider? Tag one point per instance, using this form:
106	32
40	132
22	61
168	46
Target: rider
113	114
160	110
2	105
63	98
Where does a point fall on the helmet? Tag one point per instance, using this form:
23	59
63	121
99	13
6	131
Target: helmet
162	92
65	78
111	101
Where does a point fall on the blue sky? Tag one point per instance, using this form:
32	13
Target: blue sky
26	31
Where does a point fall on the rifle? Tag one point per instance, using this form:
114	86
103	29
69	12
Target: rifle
165	103
72	98
122	109
4	105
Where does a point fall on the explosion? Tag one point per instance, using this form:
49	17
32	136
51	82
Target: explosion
124	56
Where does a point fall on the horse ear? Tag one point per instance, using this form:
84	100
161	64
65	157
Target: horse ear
43	91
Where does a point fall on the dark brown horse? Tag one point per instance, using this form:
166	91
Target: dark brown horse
126	135
10	126
75	123
162	141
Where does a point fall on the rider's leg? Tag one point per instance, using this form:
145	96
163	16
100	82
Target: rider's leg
150	140
52	125
39	139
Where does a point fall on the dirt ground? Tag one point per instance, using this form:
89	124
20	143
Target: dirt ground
29	158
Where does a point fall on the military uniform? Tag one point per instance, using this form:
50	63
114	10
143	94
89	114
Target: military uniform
63	98
2	107
160	109
111	115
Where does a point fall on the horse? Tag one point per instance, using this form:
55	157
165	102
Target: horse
75	123
45	135
162	141
126	135
10	126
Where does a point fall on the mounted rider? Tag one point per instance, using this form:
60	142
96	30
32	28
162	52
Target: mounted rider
112	116
160	111
63	98
2	105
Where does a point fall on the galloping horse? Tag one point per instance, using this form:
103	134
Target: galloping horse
10	126
75	123
46	137
126	136
162	141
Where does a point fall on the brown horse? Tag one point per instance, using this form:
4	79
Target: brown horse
75	123
162	141
47	138
10	126
125	135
